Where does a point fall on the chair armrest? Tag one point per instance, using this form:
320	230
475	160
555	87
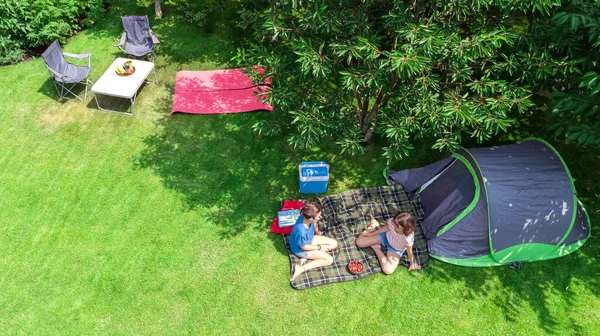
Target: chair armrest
122	40
78	55
88	56
61	76
153	37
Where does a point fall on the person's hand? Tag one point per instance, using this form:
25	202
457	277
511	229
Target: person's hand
367	233
414	267
319	233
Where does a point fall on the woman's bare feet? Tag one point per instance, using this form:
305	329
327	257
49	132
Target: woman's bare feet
374	225
298	269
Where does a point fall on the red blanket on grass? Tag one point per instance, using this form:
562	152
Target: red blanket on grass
216	92
287	205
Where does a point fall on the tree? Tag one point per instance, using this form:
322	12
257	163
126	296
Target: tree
573	33
405	70
157	9
157	6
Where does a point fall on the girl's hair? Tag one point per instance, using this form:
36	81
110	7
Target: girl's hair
310	211
406	221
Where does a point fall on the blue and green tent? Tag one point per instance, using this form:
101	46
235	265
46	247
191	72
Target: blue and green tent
498	205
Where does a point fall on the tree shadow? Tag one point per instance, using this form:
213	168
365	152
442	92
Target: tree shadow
182	43
536	285
220	166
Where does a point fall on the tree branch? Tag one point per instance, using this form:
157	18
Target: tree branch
358	100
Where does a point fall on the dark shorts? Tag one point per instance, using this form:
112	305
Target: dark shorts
384	241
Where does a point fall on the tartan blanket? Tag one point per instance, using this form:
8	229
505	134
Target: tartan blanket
344	217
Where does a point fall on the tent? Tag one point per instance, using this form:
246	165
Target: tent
498	205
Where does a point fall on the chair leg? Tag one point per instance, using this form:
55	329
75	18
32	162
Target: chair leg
64	90
57	90
87	84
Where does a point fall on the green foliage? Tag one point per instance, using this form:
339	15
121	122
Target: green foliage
10	52
574	34
578	111
206	14
402	69
33	23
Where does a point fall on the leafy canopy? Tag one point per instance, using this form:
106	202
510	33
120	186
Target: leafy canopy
573	33
405	70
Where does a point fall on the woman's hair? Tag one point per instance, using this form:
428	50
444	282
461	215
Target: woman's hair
310	211
406	221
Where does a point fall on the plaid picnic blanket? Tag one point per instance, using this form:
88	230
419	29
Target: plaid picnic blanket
345	216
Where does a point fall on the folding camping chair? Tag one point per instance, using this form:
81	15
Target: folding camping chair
138	39
66	75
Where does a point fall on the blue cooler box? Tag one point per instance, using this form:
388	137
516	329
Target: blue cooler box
314	177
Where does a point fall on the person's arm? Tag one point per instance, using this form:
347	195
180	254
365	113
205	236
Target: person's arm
382	229
317	232
316	247
411	257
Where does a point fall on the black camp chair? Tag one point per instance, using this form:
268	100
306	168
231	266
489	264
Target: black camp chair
138	39
66	75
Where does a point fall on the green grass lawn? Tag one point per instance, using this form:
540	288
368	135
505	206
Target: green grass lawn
156	224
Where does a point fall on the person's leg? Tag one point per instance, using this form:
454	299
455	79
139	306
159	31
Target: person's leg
329	243
388	263
367	241
319	259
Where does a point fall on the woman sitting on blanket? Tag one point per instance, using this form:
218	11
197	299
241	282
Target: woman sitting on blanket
398	236
307	242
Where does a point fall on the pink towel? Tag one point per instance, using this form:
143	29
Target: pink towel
217	91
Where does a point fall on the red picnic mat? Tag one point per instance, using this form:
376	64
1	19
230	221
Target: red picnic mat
216	92
287	205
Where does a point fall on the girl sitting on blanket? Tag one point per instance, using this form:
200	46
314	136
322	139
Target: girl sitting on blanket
398	236
307	242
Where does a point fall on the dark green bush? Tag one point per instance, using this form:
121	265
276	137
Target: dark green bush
208	14
27	24
10	52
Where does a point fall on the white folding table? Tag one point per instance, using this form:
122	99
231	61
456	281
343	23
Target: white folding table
114	85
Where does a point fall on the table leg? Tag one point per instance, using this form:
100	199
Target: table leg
155	78
132	99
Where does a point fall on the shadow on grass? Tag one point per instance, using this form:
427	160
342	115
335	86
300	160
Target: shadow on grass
220	166
49	90
181	42
537	285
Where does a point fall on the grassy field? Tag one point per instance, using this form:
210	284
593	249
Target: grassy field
157	224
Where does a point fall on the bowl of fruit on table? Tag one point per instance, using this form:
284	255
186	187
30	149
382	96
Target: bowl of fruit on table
126	69
355	267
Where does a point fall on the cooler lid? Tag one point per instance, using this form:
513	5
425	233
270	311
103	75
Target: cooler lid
314	172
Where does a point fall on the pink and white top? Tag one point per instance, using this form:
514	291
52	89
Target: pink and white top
397	240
